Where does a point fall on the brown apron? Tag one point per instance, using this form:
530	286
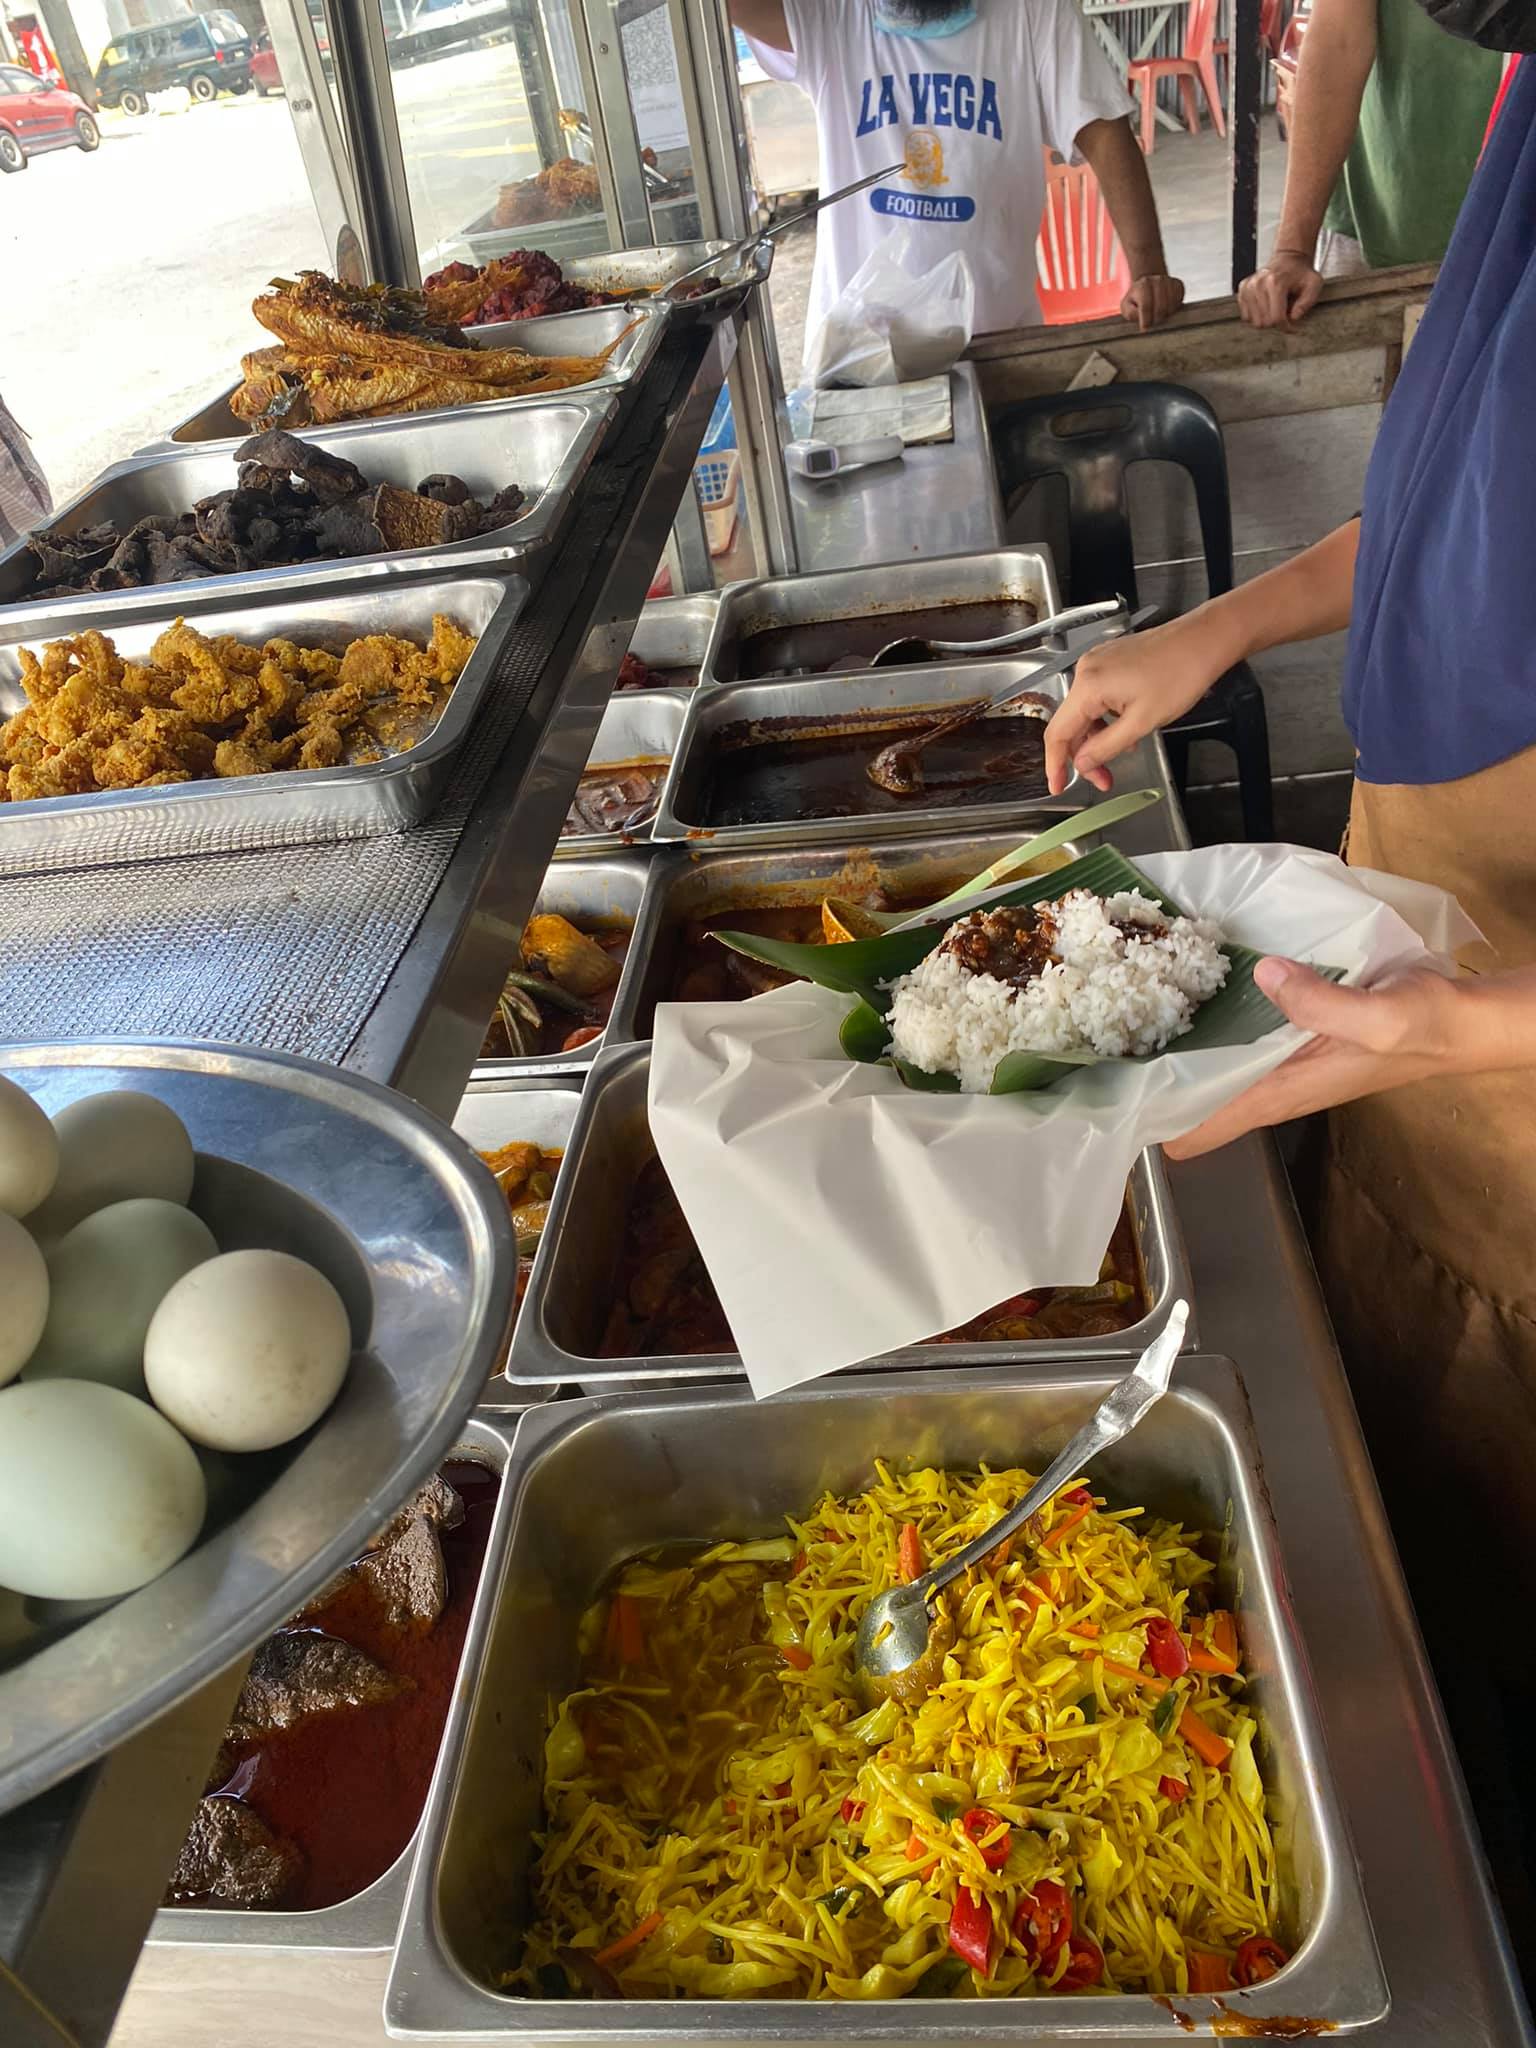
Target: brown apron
1425	1242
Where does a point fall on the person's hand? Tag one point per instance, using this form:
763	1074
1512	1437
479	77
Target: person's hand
1282	293
1152	299
1143	680
1404	1029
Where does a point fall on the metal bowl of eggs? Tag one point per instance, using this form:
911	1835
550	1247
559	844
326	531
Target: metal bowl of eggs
246	1304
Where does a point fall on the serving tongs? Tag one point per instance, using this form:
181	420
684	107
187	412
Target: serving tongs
903	1636
898	768
841	920
739	254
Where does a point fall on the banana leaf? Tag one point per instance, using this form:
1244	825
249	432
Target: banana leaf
1238	1014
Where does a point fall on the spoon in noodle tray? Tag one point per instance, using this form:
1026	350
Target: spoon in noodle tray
904	1634
898	768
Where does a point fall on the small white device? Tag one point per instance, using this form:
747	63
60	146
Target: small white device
821	459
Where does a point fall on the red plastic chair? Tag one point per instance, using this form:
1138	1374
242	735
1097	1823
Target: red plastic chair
1197	66
1083	270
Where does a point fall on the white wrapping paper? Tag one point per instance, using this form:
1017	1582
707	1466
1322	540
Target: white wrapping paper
843	1215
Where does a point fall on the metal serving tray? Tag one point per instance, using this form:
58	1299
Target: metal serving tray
414	1233
546	448
296	806
680	886
598	891
638	725
674	633
766	602
938	686
595	1482
370	1918
555	334
571	1286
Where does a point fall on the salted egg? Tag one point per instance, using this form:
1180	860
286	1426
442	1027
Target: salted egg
248	1350
98	1493
23	1296
29	1151
107	1277
114	1147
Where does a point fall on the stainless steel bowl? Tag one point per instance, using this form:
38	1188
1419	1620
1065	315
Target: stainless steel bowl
595	1482
591	893
370	1918
937	687
305	1158
1026	574
297	806
546	448
557	334
680	886
572	1283
638	725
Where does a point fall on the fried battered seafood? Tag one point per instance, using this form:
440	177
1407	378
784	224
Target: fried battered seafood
518	286
293	503
565	187
199	708
349	353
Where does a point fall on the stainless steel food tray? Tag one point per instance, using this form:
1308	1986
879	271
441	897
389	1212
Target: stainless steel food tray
674	633
545	448
415	1235
597	890
939	686
595	1482
555	334
681	885
571	1286
297	806
648	270
638	725
371	1918
765	602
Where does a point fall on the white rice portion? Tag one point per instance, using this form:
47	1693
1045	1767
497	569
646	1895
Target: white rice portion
1102	992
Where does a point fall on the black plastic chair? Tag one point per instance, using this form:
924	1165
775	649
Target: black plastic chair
1090	438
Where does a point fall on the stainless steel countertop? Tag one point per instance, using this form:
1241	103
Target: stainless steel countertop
941	500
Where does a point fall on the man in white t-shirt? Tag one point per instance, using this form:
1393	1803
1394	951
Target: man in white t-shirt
969	96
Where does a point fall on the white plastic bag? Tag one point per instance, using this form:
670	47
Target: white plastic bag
893	323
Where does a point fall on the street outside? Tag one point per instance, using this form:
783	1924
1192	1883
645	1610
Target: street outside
130	273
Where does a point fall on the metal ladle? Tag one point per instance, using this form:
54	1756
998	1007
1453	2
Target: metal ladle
898	768
740	253
906	652
899	1646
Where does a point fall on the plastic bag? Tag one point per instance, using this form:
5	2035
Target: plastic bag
893	323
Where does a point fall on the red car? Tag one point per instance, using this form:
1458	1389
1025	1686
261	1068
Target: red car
265	75
36	116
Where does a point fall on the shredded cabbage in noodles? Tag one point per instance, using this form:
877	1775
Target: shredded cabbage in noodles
728	1816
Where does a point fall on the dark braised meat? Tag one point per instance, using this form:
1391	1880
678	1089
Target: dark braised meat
293	1676
403	1566
231	1854
293	502
634	675
615	799
1012	943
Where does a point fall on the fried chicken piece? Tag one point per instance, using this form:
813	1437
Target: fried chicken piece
323	746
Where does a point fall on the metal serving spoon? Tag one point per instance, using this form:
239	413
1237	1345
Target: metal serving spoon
897	1634
905	652
738	253
898	768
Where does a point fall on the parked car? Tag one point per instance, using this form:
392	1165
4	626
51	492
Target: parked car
36	116
265	75
1287	62
204	54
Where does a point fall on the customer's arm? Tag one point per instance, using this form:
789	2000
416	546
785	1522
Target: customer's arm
1145	680
1416	1026
1337	53
763	19
1114	156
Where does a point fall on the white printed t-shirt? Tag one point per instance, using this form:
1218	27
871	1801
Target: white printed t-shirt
970	114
